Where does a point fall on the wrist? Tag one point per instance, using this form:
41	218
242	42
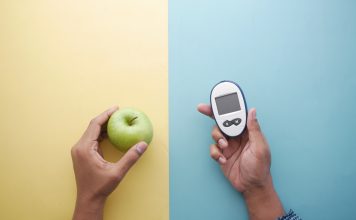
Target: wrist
261	191
90	203
263	202
88	207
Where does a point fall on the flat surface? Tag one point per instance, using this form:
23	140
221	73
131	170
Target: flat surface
295	61
61	64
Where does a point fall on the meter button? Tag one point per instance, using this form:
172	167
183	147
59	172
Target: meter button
235	122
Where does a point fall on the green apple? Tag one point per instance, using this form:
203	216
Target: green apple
128	126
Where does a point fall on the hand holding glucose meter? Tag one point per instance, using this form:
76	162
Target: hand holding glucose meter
229	108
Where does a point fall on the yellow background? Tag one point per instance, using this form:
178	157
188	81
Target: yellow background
61	64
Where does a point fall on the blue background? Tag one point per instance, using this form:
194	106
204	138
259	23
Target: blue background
296	62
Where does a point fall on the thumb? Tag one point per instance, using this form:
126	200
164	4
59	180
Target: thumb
130	158
253	127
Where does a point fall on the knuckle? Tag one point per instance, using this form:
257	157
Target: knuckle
257	128
256	125
92	121
74	151
212	155
78	152
213	151
133	157
262	153
213	132
115	177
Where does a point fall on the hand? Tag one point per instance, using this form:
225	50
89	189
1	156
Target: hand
245	161
96	178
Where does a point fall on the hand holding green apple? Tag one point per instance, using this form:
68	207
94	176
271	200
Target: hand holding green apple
128	126
96	178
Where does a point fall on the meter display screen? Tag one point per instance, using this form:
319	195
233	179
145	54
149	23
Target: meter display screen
228	103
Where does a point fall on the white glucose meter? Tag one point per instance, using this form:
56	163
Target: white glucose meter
229	108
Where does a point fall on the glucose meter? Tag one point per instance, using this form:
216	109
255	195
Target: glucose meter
229	108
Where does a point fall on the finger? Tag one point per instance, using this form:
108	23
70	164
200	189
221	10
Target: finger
94	129
205	109
219	137
235	145
130	158
216	154
253	127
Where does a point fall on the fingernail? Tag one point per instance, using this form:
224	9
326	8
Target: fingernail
222	160
254	114
222	143
141	147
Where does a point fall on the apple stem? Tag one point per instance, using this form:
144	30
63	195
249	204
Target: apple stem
132	120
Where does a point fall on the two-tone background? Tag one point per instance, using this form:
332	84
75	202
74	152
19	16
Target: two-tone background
63	62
